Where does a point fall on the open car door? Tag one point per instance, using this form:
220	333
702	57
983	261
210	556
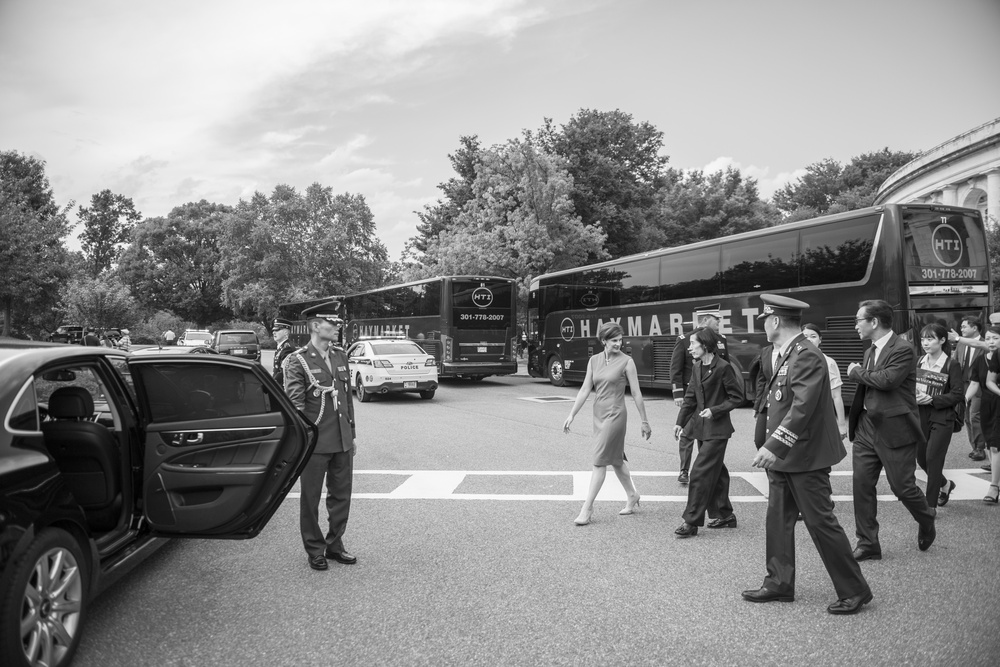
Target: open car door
222	445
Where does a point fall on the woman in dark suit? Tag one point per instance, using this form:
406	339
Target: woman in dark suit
714	391
937	410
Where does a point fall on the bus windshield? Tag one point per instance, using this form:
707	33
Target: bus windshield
478	305
944	246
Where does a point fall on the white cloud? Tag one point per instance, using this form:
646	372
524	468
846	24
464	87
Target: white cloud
767	185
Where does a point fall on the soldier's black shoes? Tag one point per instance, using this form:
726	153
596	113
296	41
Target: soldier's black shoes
723	522
686	530
860	555
317	563
683	478
342	557
851	605
925	536
763	594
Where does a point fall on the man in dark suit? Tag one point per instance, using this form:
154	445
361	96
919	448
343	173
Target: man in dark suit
884	426
681	364
761	371
318	382
966	353
803	443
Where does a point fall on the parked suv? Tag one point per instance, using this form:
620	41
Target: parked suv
193	337
68	333
241	343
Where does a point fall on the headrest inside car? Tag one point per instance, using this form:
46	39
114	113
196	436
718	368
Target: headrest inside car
71	403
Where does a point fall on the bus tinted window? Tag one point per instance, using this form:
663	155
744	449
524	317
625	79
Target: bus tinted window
838	252
690	274
765	263
942	246
640	281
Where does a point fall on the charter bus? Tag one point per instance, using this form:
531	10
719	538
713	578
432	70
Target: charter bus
468	323
929	262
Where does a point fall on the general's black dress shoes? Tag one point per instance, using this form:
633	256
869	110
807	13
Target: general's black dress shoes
860	555
925	536
342	557
686	530
851	605
723	522
317	562
763	594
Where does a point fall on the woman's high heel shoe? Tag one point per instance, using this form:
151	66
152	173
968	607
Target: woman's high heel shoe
992	500
632	507
584	517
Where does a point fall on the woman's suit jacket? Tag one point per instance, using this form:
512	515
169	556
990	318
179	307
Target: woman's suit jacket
717	388
942	407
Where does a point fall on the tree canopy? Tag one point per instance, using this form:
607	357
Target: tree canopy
107	225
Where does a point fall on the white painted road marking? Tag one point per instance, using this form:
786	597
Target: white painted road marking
441	485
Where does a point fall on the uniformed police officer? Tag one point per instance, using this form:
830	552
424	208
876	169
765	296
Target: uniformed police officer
803	443
281	328
318	383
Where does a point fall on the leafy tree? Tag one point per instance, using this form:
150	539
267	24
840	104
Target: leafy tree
32	255
617	169
457	191
828	187
153	328
694	206
101	302
519	222
107	225
173	263
293	247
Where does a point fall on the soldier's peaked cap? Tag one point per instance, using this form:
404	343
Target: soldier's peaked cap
281	322
775	304
325	311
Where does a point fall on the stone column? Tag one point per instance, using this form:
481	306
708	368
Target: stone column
993	195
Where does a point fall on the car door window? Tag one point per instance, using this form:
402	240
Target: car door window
83	377
24	417
183	392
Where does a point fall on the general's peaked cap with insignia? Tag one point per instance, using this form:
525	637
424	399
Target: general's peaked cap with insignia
324	311
282	323
775	304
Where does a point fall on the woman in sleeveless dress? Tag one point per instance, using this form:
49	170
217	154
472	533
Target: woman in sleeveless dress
607	374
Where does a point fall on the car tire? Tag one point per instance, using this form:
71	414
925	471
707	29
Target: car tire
557	374
427	395
52	608
363	394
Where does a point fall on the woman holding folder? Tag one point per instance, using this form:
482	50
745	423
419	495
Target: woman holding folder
939	390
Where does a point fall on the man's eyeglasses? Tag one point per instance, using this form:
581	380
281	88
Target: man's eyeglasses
861	319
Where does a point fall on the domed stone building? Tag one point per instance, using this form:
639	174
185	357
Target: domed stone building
963	171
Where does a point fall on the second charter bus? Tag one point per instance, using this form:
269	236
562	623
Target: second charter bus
929	262
466	322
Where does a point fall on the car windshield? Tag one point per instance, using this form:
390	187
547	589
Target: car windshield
401	347
238	338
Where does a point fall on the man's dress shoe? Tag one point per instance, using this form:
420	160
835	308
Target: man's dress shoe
925	537
765	595
683	478
851	605
342	557
317	562
726	522
686	530
860	555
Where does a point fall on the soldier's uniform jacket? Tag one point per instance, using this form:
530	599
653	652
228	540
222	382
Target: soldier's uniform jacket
802	428
681	363
280	354
311	386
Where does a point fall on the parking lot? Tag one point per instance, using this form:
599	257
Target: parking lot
462	522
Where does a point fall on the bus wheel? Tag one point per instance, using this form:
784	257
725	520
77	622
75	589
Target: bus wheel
363	394
556	376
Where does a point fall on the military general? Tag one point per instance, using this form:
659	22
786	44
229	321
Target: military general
318	383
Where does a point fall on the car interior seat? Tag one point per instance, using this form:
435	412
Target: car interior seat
87	456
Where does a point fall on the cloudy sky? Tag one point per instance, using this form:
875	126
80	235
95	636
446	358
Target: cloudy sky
170	102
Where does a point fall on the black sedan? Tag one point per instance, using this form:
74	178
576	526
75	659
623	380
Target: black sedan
104	454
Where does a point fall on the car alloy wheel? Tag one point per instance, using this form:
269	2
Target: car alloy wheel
363	394
42	614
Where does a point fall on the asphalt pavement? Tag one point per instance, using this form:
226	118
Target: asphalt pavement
462	522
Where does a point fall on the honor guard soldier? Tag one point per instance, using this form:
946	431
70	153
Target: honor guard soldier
317	381
681	365
281	328
803	442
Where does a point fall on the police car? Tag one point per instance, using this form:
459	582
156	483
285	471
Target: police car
384	365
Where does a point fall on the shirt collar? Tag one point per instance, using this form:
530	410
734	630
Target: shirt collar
882	342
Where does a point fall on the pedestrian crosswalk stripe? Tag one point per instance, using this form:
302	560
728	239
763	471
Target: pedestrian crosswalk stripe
970	484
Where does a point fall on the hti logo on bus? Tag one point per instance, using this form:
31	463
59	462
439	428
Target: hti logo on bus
482	297
946	243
